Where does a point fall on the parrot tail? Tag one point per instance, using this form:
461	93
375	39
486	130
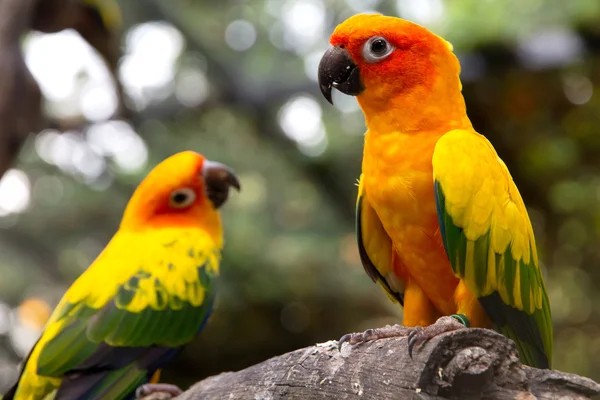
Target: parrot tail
103	385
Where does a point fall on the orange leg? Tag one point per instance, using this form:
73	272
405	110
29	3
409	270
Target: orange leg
418	309
156	377
422	321
468	305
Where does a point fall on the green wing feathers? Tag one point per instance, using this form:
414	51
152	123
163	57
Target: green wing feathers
489	240
124	317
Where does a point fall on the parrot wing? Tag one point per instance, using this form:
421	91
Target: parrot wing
375	248
489	240
127	314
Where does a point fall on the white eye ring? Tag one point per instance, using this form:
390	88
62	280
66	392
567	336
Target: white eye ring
182	198
376	49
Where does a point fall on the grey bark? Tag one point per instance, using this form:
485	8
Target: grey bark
465	364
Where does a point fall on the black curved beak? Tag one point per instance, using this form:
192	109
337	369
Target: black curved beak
218	178
337	70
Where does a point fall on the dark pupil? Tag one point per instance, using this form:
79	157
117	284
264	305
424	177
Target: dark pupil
379	46
179	198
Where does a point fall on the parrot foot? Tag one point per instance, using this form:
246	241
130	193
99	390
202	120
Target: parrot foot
387	331
419	334
157	391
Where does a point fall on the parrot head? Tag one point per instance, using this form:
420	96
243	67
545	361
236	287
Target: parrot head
379	58
184	189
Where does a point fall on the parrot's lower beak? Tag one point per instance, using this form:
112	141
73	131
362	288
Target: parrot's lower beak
337	70
218	178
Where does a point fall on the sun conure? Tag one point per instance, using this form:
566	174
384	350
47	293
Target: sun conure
440	223
148	293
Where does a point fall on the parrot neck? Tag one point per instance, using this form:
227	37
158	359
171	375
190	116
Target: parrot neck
137	219
439	107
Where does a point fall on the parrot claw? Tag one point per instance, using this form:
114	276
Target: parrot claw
387	331
415	335
419	335
157	391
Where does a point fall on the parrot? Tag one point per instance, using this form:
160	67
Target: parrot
149	292
440	223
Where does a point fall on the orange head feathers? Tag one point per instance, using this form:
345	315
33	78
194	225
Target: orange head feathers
184	189
390	63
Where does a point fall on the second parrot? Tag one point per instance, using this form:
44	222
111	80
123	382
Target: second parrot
147	294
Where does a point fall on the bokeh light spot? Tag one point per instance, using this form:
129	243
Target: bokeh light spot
424	12
149	66
118	140
304	22
98	103
578	89
300	119
240	35
191	88
14	192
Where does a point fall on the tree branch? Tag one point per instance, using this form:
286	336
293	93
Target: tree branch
464	364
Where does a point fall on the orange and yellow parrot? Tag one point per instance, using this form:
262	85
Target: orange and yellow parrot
440	223
148	293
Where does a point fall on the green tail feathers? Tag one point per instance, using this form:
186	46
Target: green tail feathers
517	325
106	385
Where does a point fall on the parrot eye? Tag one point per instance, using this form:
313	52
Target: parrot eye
376	49
182	198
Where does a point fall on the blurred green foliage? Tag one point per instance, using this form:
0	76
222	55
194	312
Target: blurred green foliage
291	272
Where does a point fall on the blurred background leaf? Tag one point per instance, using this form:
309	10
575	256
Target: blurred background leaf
236	80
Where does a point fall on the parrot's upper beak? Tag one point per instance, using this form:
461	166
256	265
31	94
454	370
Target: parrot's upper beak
218	178
337	70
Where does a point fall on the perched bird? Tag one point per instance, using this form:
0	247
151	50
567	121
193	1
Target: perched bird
148	293
440	223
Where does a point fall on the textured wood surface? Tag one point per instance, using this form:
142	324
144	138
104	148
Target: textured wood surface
464	364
